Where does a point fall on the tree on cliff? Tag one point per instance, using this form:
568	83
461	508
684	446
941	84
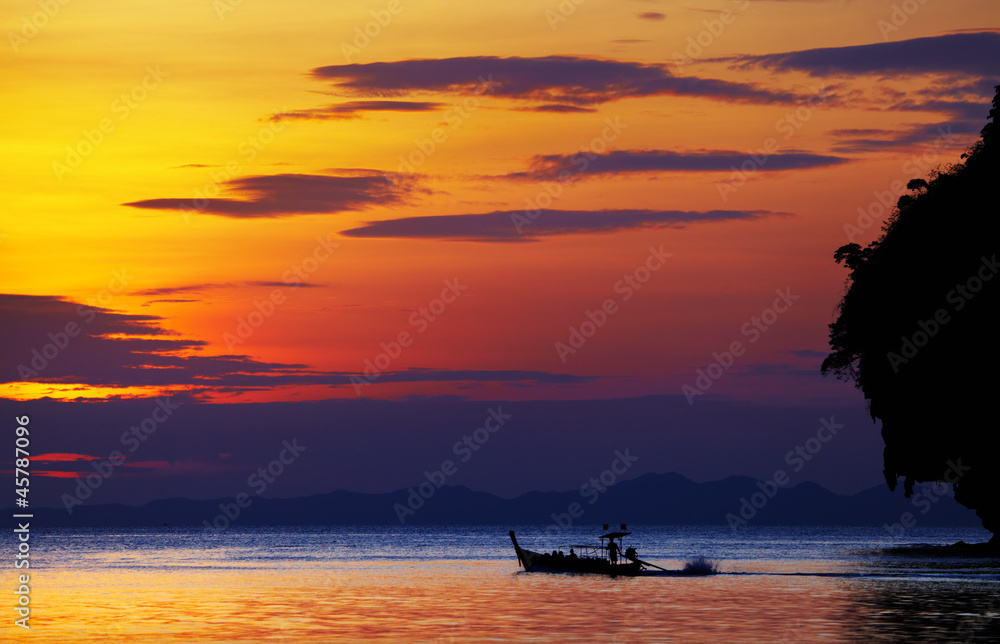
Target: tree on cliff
918	329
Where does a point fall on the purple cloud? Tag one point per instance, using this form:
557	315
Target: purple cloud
105	348
523	226
564	80
354	109
975	53
559	166
940	136
210	286
557	107
971	59
284	195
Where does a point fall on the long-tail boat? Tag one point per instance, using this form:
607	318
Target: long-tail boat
608	558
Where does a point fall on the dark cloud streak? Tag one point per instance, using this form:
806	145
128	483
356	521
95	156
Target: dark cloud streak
962	53
520	226
122	350
284	195
563	80
354	109
554	166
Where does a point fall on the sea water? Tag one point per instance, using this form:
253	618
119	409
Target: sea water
463	584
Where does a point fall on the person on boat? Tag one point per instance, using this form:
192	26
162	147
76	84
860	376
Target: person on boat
630	553
572	555
613	551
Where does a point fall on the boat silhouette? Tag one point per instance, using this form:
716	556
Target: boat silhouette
610	557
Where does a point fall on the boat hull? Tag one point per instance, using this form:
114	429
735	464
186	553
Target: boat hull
542	562
628	566
538	562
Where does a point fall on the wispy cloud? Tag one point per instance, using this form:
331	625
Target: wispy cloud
115	349
211	286
520	226
941	135
354	109
976	53
285	195
969	61
582	164
557	107
562	80
809	353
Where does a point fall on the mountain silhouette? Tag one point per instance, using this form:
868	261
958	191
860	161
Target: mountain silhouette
651	499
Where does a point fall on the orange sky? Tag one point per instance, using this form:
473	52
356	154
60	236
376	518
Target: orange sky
184	92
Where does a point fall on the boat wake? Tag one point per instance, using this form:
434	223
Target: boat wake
700	566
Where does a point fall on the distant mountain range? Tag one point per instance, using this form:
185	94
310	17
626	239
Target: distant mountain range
651	499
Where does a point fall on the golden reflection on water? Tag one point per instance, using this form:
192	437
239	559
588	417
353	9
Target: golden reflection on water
443	601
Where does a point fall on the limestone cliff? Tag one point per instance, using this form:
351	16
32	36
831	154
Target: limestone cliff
918	329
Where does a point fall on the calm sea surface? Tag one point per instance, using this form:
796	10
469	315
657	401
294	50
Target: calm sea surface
462	584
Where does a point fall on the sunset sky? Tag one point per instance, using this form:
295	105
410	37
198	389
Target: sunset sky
366	224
